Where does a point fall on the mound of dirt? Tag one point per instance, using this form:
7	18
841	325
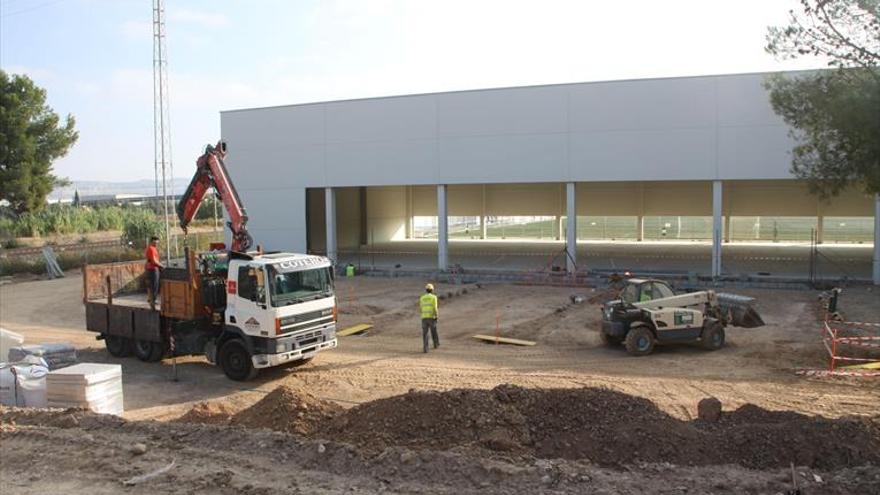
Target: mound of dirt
289	410
607	427
438	420
207	413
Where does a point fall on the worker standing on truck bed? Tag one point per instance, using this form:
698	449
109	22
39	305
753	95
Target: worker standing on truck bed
429	307
152	266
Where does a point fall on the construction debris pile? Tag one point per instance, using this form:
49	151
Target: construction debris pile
606	427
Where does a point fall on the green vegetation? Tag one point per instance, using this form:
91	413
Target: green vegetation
67	260
139	226
60	219
833	113
31	138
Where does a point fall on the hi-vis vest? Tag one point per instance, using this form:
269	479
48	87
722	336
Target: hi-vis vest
428	305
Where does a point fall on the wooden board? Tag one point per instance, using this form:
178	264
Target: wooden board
866	366
353	330
504	340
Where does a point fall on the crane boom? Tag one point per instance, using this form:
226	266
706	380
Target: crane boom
211	172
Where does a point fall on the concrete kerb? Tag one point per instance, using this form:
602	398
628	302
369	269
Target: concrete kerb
600	278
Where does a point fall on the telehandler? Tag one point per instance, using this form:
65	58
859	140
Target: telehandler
649	312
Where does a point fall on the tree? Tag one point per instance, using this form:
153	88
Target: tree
31	138
76	198
835	114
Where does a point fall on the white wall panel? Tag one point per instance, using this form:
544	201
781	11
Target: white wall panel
762	152
673	154
647	104
523	158
384	119
536	110
375	163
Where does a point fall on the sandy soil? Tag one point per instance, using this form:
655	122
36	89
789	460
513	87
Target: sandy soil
757	367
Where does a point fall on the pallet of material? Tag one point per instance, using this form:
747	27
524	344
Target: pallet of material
93	386
504	340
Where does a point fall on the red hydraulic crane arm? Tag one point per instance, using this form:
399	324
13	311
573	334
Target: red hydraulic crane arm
211	172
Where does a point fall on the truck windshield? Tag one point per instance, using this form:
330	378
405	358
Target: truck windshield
295	287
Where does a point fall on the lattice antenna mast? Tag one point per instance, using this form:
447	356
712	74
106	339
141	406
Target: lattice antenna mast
162	166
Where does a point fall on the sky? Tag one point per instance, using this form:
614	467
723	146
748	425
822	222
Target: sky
94	57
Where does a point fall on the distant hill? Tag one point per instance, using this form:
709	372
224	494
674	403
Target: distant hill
98	187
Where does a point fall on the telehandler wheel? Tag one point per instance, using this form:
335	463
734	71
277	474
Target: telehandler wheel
235	360
118	346
609	340
149	352
712	338
639	341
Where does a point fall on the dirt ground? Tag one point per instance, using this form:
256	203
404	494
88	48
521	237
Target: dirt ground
755	369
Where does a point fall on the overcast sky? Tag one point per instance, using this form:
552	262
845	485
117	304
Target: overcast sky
95	56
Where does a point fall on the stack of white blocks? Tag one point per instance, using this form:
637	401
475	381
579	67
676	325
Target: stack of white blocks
93	386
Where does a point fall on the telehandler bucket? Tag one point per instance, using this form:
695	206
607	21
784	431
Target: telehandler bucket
739	310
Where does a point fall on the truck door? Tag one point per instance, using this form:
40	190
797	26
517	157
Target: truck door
246	301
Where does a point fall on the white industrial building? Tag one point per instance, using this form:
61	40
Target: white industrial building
342	174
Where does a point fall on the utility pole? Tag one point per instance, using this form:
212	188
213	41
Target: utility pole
162	166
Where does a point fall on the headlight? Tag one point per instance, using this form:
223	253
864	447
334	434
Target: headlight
280	347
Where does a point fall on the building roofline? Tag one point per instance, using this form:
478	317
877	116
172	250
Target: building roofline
607	81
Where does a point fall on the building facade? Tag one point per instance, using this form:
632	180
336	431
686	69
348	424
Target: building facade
344	173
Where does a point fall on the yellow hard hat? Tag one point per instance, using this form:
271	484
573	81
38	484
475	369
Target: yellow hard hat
429	287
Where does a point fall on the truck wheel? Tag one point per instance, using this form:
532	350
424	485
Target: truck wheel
117	346
639	341
236	361
713	336
149	352
610	340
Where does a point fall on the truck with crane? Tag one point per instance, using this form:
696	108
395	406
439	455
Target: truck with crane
242	309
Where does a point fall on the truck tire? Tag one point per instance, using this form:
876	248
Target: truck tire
712	337
118	346
610	340
148	352
235	360
639	341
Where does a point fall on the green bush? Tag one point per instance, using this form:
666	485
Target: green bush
138	228
65	219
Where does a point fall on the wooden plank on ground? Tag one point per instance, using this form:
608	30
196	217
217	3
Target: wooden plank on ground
361	327
504	340
866	366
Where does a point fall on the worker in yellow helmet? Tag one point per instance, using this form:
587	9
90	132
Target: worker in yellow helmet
428	306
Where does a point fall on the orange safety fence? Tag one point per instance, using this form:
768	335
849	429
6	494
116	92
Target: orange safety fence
842	340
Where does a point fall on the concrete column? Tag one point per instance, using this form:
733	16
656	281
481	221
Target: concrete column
559	228
442	230
640	228
716	229
876	276
409	212
727	223
820	229
483	229
571	230
330	216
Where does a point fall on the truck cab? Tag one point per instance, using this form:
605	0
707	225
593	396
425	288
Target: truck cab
282	305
